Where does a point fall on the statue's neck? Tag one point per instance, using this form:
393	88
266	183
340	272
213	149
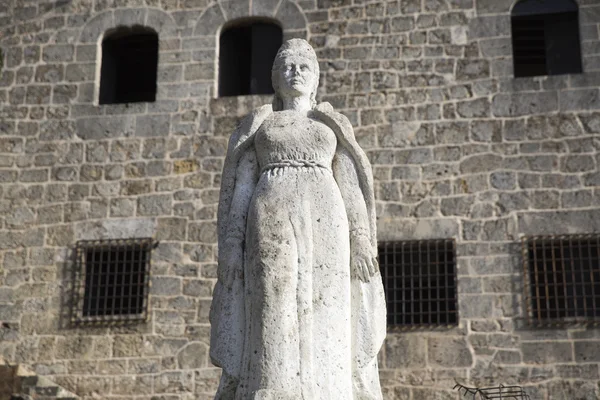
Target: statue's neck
302	104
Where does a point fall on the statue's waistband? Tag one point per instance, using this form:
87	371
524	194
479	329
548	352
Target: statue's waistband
294	164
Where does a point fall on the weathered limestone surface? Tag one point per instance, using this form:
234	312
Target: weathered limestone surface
458	146
299	309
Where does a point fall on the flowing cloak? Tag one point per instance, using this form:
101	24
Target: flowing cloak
227	309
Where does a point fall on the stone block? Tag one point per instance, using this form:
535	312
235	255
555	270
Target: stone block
402	24
476	306
264	7
60	235
203	232
174	382
489	26
432	394
585	371
122	207
450	352
578	100
587	351
38	94
105	128
116	229
467	69
546	223
171	229
515	105
165	286
210	21
152	125
503	180
129	384
154	205
405	351
547	352
58	53
73	347
577	389
452	132
290	15
479	108
396	393
193	356
481	163
80	72
127	346
197	287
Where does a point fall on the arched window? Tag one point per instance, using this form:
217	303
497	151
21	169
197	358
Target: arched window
246	54
545	37
129	64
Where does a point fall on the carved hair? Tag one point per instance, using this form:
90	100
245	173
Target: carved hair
294	46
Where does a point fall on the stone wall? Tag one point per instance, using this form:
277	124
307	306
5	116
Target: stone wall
459	147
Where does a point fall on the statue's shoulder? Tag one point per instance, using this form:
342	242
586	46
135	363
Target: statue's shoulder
250	123
325	112
260	112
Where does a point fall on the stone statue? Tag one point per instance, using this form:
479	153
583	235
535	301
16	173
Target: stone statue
298	310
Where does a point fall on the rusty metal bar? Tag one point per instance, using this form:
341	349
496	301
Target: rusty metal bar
563	261
420	275
114	279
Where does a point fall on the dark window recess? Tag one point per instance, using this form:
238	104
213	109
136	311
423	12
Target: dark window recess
129	66
545	38
563	273
419	278
112	280
246	55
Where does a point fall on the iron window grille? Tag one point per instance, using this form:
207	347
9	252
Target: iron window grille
419	279
545	38
112	281
563	278
129	67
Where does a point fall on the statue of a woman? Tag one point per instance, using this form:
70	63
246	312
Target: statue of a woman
298	311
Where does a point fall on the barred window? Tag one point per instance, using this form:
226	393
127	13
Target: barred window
419	279
563	275
545	38
112	280
129	66
246	54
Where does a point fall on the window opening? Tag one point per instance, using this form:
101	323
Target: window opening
129	66
563	274
112	279
419	279
545	38
246	55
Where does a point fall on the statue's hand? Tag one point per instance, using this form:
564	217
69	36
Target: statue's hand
231	260
363	261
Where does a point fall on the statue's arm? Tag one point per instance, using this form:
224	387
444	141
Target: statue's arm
245	181
231	253
364	262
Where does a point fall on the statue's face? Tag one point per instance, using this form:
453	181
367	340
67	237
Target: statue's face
297	76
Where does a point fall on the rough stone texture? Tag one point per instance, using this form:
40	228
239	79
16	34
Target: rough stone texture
256	330
459	148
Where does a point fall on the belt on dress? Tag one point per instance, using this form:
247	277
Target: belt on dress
294	164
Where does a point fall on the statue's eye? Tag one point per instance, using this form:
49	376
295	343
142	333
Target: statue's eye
304	67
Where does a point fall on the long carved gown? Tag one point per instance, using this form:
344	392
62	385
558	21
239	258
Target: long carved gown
295	325
297	274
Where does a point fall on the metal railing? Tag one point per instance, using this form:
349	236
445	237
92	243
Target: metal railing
491	393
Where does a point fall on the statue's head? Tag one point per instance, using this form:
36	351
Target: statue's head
295	72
